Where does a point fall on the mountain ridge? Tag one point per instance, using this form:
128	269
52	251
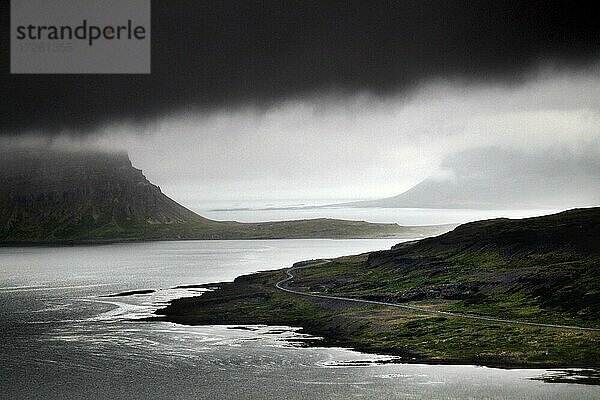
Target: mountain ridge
68	196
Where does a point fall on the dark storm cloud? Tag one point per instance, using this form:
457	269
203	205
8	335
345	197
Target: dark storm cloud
222	53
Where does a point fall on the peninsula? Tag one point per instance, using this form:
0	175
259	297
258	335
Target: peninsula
498	292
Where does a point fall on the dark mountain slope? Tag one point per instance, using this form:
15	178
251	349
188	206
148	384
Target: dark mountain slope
55	194
574	230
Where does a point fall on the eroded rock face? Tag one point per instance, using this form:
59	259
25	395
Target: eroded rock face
45	190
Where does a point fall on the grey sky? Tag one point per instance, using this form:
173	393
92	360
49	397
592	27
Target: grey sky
219	54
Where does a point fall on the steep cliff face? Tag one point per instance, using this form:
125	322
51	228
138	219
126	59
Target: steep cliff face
51	193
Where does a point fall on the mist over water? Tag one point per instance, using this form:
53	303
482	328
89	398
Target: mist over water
62	340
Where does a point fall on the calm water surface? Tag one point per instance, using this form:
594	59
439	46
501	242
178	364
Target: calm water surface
61	340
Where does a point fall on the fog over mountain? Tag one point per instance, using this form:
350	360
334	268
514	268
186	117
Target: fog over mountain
496	177
342	101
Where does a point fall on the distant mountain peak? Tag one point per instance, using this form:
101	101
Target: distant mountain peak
500	177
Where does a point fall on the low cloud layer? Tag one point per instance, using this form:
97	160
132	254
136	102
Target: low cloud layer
362	147
222	55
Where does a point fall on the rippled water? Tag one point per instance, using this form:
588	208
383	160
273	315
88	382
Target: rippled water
60	339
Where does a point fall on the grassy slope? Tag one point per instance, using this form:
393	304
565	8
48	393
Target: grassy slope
111	230
539	270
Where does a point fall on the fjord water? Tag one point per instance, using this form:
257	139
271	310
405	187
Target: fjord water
290	210
60	339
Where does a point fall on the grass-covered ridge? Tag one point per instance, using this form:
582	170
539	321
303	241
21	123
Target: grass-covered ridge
114	231
544	270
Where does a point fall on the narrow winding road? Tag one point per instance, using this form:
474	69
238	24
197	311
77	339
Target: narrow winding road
280	285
